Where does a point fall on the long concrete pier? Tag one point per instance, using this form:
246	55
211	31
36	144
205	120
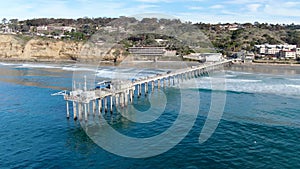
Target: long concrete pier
96	101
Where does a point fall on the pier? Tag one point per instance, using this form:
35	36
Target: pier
121	93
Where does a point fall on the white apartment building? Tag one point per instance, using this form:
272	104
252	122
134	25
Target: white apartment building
276	50
289	54
52	28
298	52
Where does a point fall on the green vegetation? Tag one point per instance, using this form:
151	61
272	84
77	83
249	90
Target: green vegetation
247	35
223	38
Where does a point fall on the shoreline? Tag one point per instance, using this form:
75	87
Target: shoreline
279	69
269	64
269	68
136	64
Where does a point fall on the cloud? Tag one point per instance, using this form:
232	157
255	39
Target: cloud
281	10
253	7
291	4
147	6
277	11
243	2
154	1
216	7
195	7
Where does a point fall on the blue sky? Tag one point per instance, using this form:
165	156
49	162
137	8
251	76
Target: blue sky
271	11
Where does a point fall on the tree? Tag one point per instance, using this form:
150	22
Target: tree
117	54
4	20
14	24
13	21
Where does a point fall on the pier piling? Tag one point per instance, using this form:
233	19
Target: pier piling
74	111
128	90
68	111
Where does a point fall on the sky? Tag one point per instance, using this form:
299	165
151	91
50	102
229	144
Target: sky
207	11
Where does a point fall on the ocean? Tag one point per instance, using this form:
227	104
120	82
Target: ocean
259	128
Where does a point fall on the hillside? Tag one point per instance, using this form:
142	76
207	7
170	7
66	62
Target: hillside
248	35
65	39
20	48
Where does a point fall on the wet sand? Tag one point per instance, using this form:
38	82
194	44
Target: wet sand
279	69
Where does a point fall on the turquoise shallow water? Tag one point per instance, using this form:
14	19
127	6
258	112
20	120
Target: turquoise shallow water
260	127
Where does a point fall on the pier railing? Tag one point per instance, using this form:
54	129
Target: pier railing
121	93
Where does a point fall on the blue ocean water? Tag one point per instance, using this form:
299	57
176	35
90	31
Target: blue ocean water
260	127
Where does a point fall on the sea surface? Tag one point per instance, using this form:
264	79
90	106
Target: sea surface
260	126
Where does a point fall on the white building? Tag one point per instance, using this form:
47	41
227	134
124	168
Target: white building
213	57
261	49
289	54
298	52
7	30
42	28
114	29
274	50
147	51
248	57
52	28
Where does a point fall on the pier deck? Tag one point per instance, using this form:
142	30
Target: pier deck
122	92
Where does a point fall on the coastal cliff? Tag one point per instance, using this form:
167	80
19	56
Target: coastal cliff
37	49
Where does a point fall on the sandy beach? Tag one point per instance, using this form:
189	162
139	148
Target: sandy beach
279	69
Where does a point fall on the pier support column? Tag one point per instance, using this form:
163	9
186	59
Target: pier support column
85	112
121	100
88	108
126	98
173	80
146	89
94	107
80	111
117	100
99	106
74	111
158	83
68	112
169	79
164	82
111	104
152	86
178	76
130	95
181	76
105	104
140	90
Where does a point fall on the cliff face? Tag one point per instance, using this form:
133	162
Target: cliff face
10	47
14	48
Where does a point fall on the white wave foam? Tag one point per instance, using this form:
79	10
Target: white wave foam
79	69
230	76
125	73
39	66
250	86
293	79
242	81
228	80
8	64
239	73
294	86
